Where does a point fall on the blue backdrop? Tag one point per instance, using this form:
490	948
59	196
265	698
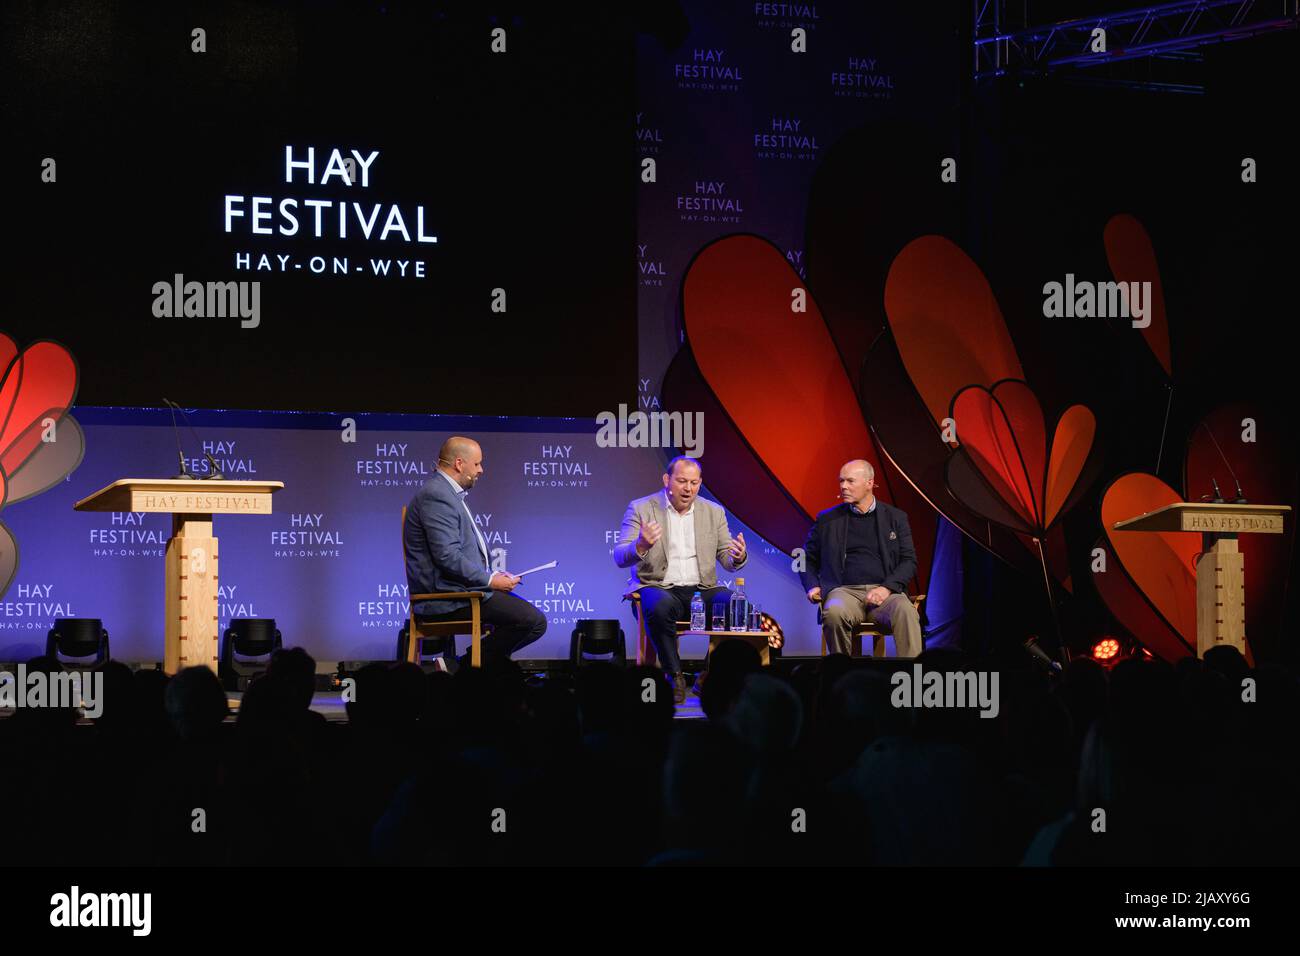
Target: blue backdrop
327	564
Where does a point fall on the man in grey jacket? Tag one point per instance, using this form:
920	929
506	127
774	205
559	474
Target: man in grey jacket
671	540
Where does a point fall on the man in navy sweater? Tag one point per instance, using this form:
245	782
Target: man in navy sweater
859	558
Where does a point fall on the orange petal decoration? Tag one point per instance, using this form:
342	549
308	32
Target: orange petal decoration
40	383
1002	431
48	464
946	323
1071	445
774	370
1159	563
1132	258
8	558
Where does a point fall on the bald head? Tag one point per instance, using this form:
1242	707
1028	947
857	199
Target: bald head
857	483
859	464
462	459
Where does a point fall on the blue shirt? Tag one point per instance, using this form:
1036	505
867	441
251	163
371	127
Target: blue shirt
463	493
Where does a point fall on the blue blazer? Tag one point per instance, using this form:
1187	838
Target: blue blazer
442	551
828	541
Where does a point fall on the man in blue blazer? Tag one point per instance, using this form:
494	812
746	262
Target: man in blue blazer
445	551
859	558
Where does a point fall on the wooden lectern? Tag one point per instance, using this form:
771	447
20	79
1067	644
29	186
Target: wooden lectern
1220	570
191	562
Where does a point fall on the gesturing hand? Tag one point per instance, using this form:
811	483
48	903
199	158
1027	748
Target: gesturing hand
650	533
501	581
738	547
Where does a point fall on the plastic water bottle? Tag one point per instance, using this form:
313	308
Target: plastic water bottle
739	607
697	612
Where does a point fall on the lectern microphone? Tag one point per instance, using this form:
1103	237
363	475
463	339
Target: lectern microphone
1218	498
180	455
215	473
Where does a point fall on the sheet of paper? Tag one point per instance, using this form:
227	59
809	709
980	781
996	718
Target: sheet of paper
540	567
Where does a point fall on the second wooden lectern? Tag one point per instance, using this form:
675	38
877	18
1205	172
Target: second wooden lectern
191	563
1221	568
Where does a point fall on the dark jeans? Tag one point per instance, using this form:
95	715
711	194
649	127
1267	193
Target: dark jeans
516	623
664	607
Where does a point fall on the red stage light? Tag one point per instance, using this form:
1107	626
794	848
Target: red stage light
1105	649
775	636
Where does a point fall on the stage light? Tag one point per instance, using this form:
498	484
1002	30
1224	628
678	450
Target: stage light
596	640
79	637
248	637
775	636
1106	650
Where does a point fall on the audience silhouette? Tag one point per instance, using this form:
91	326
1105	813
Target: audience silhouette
1143	763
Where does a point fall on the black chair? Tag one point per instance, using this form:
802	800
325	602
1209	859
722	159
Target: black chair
79	637
249	637
596	640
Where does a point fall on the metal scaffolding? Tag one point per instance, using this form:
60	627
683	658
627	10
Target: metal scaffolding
1167	31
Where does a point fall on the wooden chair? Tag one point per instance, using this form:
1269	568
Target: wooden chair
471	625
878	635
645	648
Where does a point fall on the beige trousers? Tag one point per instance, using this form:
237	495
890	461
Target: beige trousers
846	607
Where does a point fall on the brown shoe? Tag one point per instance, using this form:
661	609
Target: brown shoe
679	688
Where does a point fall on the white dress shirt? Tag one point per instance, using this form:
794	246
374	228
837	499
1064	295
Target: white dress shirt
683	563
463	494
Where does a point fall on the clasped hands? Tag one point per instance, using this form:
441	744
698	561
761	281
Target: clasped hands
875	597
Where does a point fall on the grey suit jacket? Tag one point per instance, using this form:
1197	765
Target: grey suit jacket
712	543
442	550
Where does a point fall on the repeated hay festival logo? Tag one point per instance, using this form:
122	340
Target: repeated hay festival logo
863	77
307	535
40	443
710	69
128	534
649	136
358	219
394	464
650	267
787	138
34	607
784	16
558	465
711	200
384	605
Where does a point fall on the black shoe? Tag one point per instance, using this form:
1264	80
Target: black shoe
679	688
